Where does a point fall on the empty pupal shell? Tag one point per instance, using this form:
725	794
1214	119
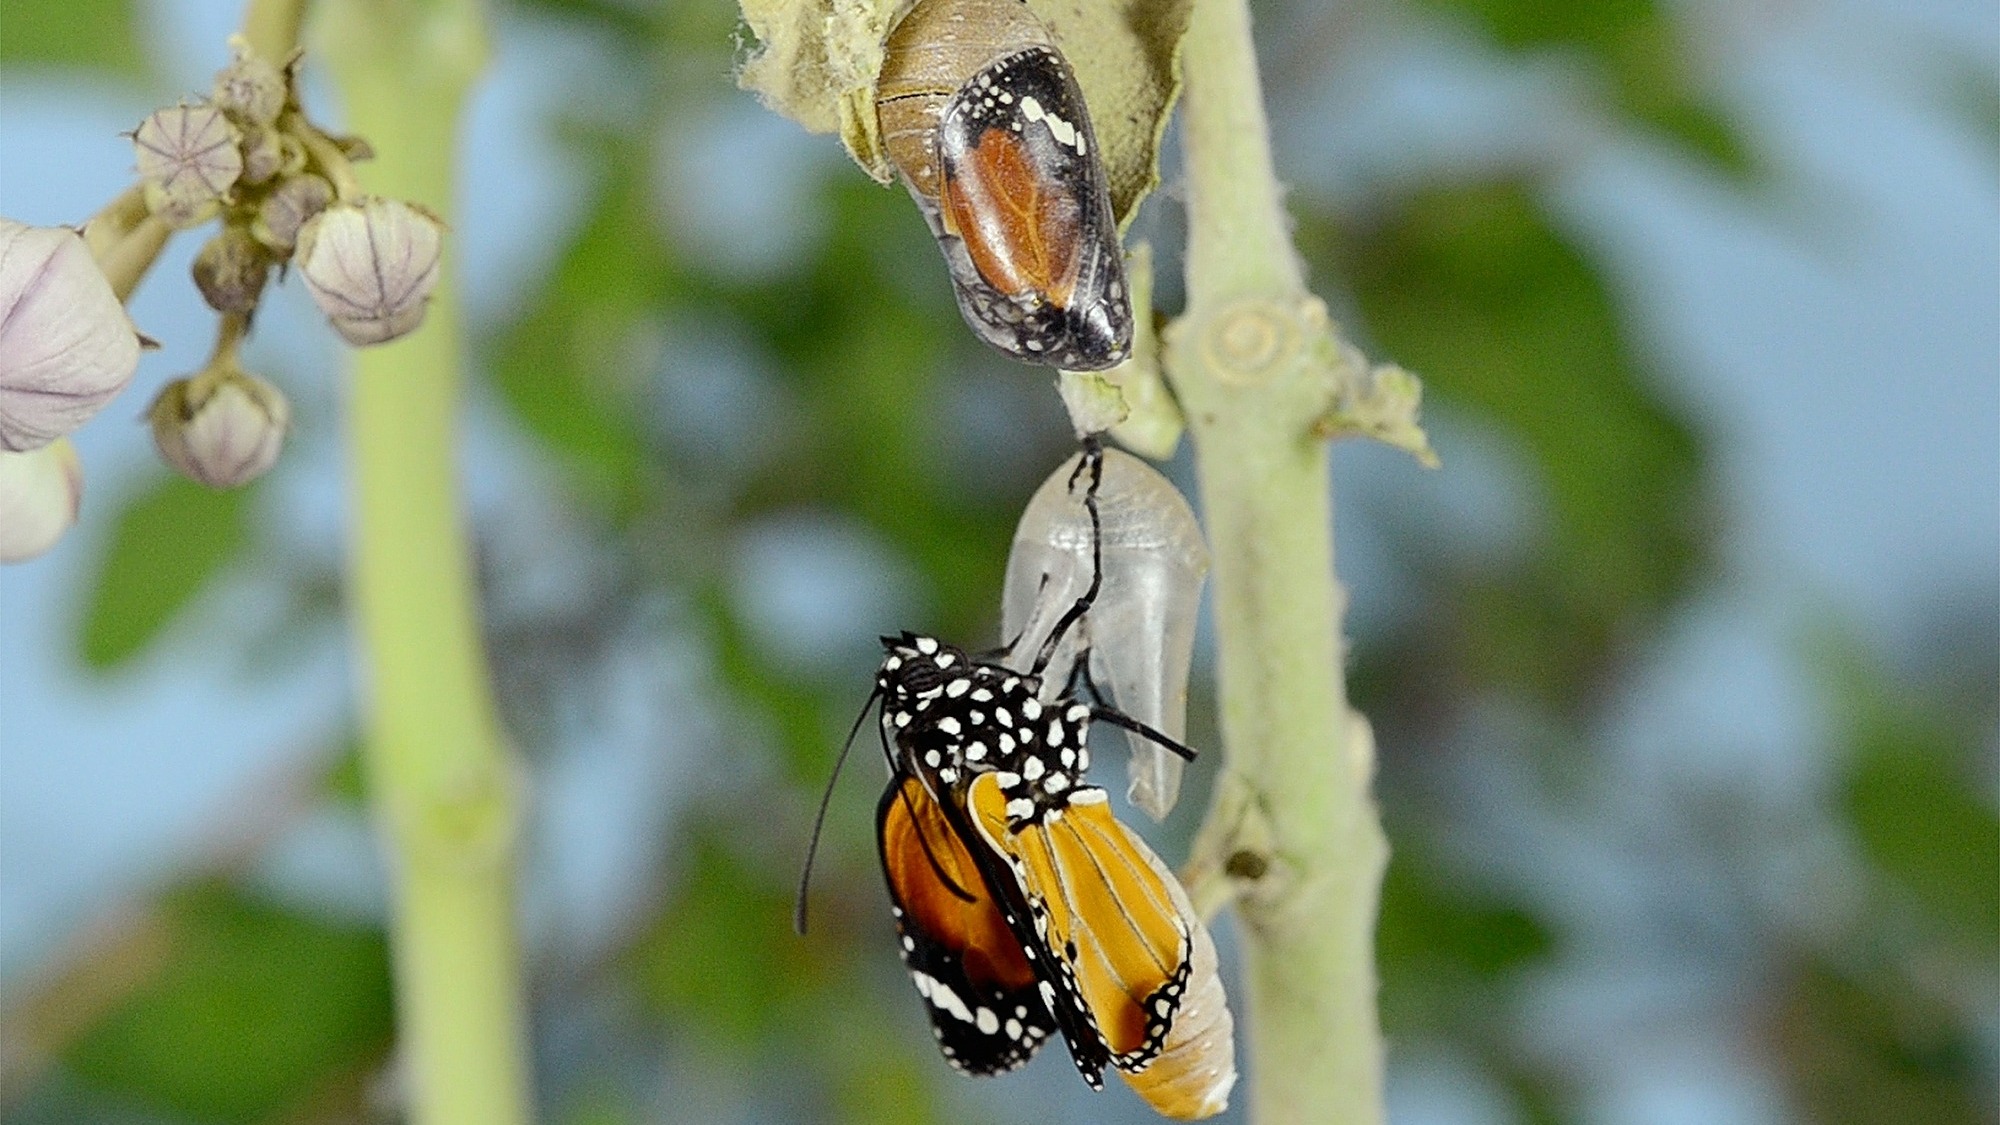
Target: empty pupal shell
1141	628
981	116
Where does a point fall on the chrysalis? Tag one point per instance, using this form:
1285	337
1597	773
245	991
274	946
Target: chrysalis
1140	628
980	114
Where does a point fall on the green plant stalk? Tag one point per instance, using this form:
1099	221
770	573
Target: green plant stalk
442	779
1293	830
271	27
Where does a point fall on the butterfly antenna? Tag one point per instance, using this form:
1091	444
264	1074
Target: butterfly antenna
1092	464
819	821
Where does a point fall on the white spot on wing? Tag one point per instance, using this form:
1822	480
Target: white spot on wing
941	996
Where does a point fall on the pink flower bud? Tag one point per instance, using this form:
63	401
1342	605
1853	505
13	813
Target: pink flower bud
287	209
263	153
189	158
40	493
371	266
222	428
66	345
230	271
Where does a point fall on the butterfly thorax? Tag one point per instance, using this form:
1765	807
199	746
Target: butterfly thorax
952	717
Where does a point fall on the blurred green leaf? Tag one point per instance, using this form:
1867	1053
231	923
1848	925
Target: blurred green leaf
169	542
257	1010
1654	82
1428	917
723	956
1908	788
1442	945
886	1086
1917	814
1473	287
346	781
1868	1048
96	34
574	368
1520	24
723	963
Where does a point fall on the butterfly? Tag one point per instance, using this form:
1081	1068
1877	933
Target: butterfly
1023	907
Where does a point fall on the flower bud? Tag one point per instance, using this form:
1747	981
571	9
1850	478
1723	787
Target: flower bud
188	156
222	428
40	493
371	266
66	345
230	271
289	208
263	153
250	89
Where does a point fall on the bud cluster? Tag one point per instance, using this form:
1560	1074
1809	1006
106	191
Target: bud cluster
285	192
285	195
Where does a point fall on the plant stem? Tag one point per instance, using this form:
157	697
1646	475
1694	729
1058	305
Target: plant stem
103	231
126	261
331	161
444	783
1293	828
271	27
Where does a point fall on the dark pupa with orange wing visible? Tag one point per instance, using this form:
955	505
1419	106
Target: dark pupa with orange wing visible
980	114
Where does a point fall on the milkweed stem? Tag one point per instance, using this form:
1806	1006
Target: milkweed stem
443	783
1294	831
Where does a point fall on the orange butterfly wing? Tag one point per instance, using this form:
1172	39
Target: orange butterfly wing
1022	231
1137	959
982	996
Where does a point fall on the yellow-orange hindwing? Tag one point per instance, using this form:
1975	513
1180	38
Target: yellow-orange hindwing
1112	918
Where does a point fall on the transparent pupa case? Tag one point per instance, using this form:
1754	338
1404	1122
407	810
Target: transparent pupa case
1140	630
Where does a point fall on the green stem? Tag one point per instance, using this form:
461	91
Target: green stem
126	261
328	158
1293	831
271	27
443	781
103	231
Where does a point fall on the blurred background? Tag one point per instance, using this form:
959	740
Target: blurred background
1685	668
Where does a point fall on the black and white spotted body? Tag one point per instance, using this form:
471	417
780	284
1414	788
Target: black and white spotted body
952	716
